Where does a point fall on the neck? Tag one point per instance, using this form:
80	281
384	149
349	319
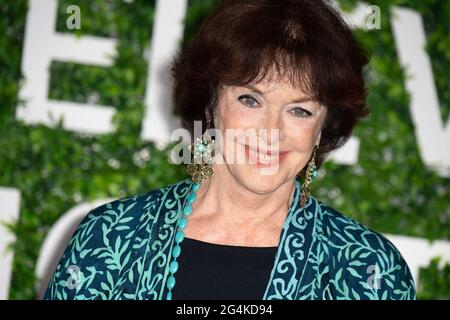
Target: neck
231	206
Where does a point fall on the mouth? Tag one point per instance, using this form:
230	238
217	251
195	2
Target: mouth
264	158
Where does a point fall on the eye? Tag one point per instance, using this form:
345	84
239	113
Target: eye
248	100
300	112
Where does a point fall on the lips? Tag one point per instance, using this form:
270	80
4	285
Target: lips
264	158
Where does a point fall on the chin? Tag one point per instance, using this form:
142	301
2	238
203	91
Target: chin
254	181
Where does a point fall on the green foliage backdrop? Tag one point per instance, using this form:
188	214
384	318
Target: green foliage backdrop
389	190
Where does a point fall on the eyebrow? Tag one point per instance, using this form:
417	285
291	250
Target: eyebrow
298	100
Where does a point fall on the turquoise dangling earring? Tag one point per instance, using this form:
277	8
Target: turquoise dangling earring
203	151
311	173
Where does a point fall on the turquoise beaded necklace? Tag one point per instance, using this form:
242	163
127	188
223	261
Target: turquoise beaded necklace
179	237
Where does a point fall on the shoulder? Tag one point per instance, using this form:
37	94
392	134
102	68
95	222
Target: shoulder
105	242
340	229
126	213
364	264
133	205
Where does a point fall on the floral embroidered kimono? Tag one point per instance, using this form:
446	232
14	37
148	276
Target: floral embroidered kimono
121	251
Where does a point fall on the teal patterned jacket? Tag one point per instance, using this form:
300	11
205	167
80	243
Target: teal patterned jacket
121	251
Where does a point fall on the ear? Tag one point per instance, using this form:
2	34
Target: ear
209	118
318	138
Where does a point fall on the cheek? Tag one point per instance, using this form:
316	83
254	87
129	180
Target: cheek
301	136
234	116
229	116
301	139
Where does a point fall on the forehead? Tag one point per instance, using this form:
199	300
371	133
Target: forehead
281	82
268	86
281	90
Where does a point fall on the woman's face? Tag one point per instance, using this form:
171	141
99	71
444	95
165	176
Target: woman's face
262	160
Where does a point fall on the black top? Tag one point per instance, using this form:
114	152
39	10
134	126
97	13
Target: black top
209	271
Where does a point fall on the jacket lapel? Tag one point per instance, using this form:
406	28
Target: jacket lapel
162	238
293	250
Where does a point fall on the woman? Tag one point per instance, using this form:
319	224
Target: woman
247	229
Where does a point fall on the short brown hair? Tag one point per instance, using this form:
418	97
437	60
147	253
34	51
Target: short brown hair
305	40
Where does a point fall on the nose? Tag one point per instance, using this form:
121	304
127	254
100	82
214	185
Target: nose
273	124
